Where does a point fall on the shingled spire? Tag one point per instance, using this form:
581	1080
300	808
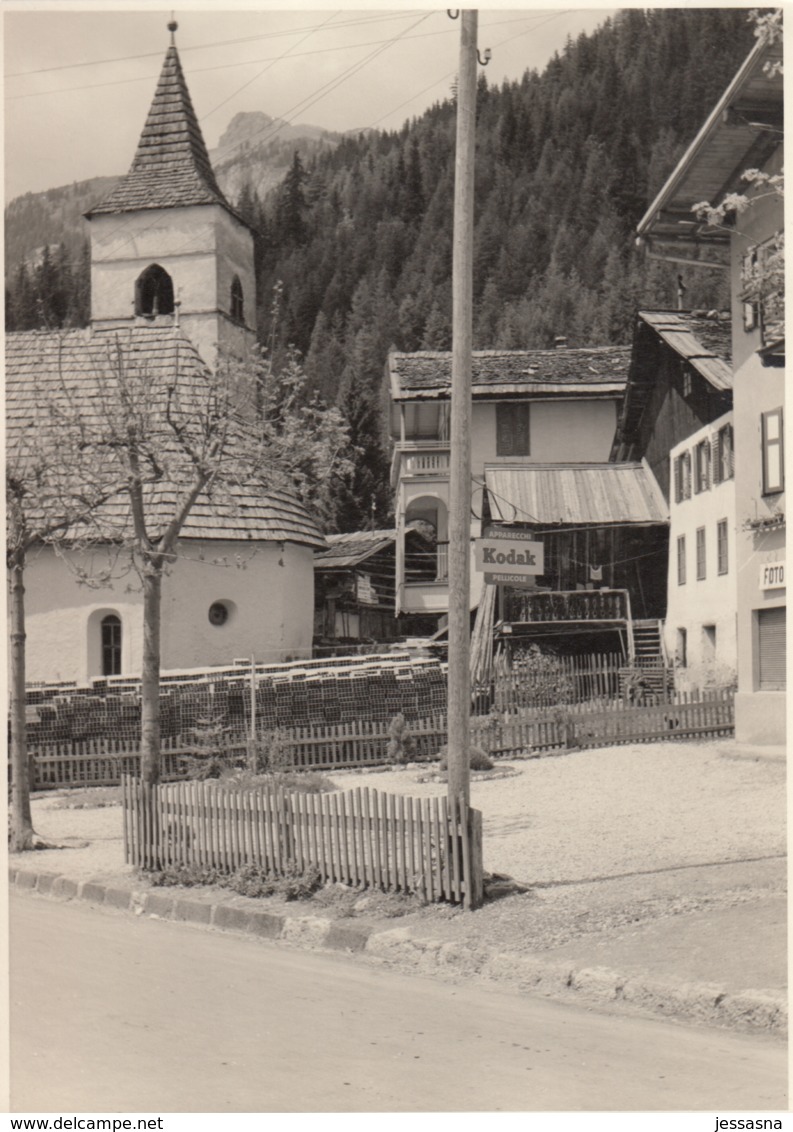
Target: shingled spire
171	168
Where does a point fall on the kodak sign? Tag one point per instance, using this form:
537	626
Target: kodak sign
505	555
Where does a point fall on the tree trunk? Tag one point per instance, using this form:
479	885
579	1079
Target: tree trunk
21	831
150	676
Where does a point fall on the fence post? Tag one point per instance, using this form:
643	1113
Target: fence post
475	889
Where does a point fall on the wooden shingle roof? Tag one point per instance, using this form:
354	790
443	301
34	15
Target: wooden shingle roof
347	550
41	366
171	167
702	338
595	371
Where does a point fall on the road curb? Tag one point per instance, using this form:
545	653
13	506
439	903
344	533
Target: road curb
706	1003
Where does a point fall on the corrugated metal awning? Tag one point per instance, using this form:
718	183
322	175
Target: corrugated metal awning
595	494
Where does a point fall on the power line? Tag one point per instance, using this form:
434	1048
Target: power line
376	19
254	62
215	67
450	74
304	104
331	85
258	75
308	101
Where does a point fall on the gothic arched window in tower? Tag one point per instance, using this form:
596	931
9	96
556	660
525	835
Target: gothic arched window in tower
236	299
154	292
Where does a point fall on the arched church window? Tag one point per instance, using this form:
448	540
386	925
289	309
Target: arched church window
154	292
111	645
236	299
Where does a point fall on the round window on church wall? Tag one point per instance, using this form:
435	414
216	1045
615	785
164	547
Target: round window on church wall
218	613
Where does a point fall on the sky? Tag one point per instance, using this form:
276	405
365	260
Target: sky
78	83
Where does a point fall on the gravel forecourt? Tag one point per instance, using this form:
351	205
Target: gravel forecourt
602	838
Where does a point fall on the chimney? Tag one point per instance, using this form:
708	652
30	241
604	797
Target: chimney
560	342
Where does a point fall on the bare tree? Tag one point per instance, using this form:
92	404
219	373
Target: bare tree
57	478
180	431
116	447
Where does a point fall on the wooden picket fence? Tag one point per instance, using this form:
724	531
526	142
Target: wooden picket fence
362	837
103	762
688	715
684	715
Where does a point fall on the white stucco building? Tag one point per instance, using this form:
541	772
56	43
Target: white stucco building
700	627
744	133
172	282
533	407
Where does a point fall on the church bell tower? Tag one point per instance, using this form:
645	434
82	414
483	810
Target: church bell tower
166	246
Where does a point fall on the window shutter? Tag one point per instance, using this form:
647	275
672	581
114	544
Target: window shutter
716	442
771	649
512	429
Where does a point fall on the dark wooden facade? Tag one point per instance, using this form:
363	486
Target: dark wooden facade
354	592
668	396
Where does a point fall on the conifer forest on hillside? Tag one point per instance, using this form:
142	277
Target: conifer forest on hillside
359	234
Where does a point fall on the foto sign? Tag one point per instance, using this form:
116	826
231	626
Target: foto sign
772	575
508	556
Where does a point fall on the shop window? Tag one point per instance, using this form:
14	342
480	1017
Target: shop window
771	637
154	292
773	452
111	645
512	429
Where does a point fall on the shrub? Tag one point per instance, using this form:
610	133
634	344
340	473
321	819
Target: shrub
187	876
209	749
535	679
272	753
401	744
247	880
307	781
479	759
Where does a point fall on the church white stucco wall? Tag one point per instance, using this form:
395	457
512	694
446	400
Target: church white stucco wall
267	587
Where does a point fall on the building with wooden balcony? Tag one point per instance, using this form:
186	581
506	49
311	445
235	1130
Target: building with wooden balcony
531	406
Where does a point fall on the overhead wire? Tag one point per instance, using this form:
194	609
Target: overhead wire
298	108
327	88
450	74
274	58
373	19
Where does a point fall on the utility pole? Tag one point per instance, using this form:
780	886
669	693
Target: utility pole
459	677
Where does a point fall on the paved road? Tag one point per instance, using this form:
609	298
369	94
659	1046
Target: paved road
115	1014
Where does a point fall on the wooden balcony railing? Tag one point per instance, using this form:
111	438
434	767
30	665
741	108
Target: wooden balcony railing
431	565
420	458
543	606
